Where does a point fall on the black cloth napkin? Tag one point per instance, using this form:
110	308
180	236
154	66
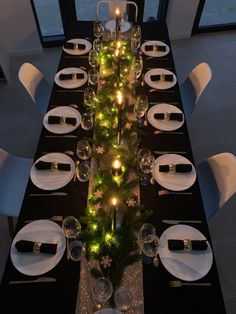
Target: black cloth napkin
45	165
178	168
70	76
57	119
151	47
171	116
25	246
197	245
157	77
74	46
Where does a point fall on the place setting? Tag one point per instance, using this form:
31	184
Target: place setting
70	78
52	171
37	248
62	120
77	46
155	48
174	172
165	117
160	79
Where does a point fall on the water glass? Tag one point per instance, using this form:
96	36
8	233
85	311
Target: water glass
141	106
123	299
98	28
89	96
87	120
150	248
146	230
83	171
97	44
71	227
83	150
93	58
93	76
75	248
137	66
102	290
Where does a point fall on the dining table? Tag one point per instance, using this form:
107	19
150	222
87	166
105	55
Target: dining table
200	295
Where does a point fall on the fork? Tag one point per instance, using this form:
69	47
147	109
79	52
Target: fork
165	192
167	132
53	218
178	283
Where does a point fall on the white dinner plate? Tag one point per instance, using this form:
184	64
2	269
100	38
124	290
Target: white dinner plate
108	311
33	264
159	84
164	125
184	265
71	83
65	111
173	181
111	26
78	52
155	53
52	179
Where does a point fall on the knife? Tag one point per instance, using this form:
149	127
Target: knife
73	136
175	222
37	280
49	194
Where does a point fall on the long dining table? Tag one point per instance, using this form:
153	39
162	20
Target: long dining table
60	296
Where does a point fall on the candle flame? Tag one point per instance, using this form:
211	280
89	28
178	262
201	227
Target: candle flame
114	201
117	52
117	11
118	45
119	97
116	164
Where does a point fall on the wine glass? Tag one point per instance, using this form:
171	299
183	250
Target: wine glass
93	76
150	248
140	108
87	120
83	150
71	227
102	290
136	38
137	66
89	96
97	44
146	230
98	28
93	58
146	165
83	171
123	299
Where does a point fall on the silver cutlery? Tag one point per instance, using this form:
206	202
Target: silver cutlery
62	136
67	152
162	152
53	218
161	102
166	192
178	283
49	194
37	280
77	57
70	105
167	132
152	90
155	68
175	222
70	90
155	58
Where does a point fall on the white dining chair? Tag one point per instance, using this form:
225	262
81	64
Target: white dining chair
113	5
217	180
36	85
14	175
193	86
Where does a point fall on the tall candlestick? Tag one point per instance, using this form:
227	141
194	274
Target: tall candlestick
114	209
117	23
117	54
119	104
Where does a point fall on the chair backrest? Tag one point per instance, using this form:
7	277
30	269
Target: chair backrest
113	5
200	76
35	84
223	167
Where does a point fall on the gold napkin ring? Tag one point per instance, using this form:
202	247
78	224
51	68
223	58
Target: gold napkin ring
74	76
62	120
187	245
36	248
163	77
54	165
167	116
172	168
76	46
155	48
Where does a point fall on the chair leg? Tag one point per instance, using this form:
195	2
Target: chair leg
10	226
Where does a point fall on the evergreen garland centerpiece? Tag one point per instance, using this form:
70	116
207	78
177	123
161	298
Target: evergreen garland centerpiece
114	215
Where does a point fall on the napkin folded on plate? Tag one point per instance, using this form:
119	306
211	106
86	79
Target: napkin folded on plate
160	77
153	47
74	46
169	116
26	246
45	165
71	76
197	245
175	168
61	120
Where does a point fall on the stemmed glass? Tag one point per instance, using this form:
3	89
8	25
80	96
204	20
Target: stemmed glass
98	28
123	299
136	38
140	108
93	58
137	66
149	244
102	290
83	150
89	97
71	227
146	165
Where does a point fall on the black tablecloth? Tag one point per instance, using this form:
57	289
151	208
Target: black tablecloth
60	297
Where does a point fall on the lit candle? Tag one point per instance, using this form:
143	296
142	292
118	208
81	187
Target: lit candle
116	167
117	23
119	97
114	203
117	54
119	103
